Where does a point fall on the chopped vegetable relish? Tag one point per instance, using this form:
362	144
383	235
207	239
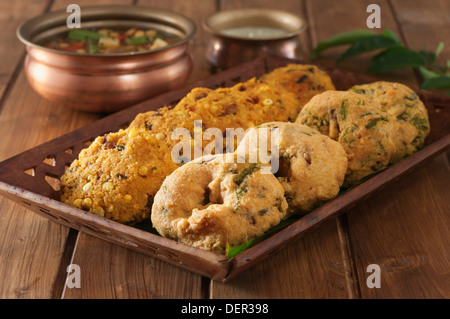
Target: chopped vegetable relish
107	41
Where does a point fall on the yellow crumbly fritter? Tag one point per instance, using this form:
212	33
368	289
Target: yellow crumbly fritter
243	105
118	174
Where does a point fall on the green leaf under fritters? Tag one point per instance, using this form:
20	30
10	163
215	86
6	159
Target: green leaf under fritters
369	44
396	58
232	251
342	38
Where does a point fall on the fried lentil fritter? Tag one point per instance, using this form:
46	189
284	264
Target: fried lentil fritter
211	202
311	166
303	80
118	174
359	124
410	117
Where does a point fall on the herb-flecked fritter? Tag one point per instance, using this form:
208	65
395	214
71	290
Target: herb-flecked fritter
359	124
410	116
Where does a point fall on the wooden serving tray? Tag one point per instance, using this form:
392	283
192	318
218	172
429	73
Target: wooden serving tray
31	178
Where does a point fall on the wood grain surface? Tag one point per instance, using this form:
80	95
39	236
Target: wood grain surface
405	229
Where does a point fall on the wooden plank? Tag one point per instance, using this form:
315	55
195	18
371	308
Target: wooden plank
27	120
145	277
405	229
12	14
312	267
424	24
113	272
30	251
327	18
193	10
43	121
28	259
62	5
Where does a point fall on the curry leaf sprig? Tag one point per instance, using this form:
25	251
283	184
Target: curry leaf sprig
392	56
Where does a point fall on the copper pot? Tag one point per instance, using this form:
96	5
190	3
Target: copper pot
106	82
226	49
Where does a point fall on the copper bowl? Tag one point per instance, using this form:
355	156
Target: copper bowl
231	43
106	82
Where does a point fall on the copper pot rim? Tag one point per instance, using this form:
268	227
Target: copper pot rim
28	30
96	65
241	17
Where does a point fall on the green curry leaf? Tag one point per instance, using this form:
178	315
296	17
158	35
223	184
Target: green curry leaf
427	74
376	42
342	38
391	35
396	58
439	49
393	55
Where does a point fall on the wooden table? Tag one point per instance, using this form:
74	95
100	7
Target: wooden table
405	228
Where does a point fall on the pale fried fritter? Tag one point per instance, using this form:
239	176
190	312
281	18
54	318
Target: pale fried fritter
411	125
359	124
214	201
310	166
